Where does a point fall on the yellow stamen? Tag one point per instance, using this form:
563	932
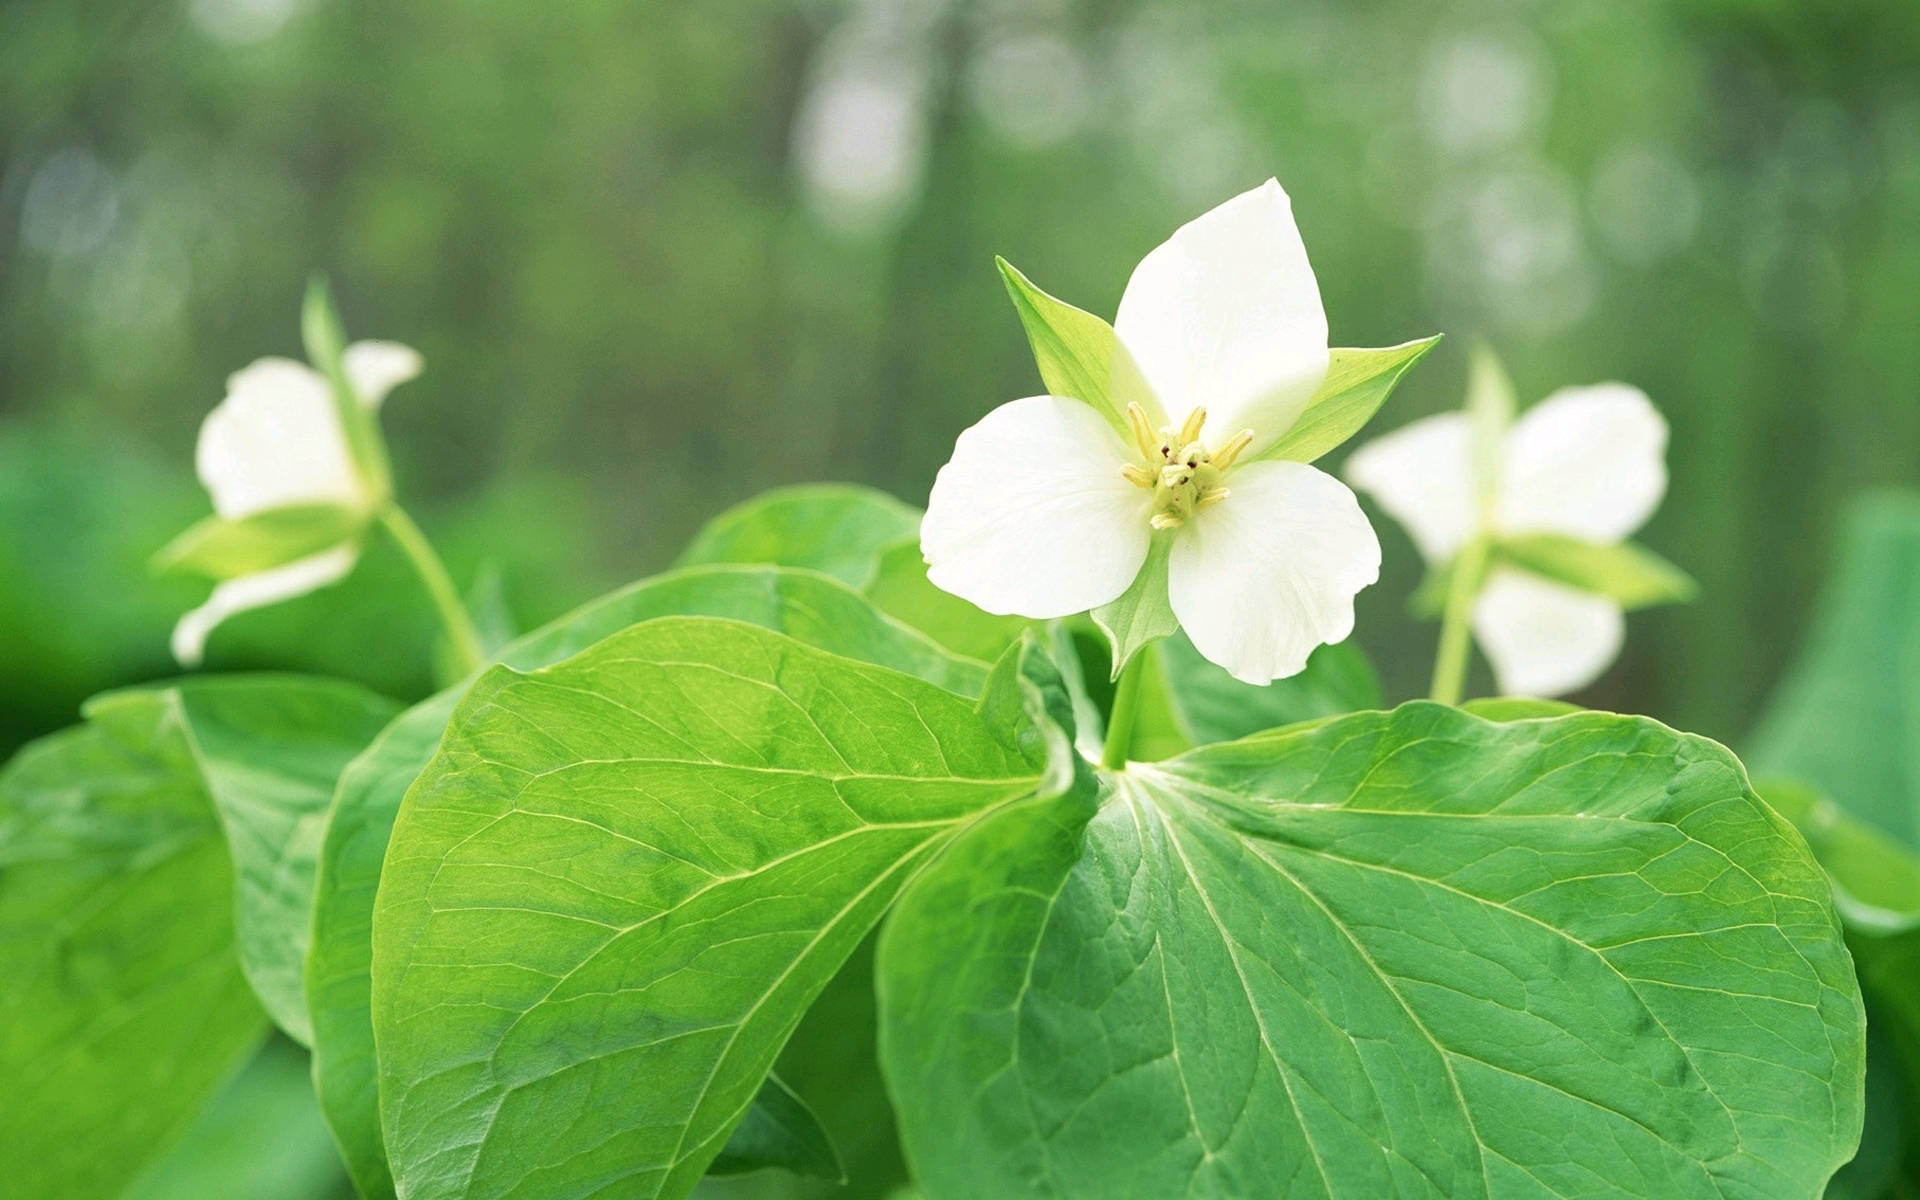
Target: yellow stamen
1139	476
1143	435
1167	520
1233	449
1210	497
1191	429
1176	476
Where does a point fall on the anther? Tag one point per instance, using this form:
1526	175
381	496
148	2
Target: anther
1167	520
1139	476
1211	496
1191	429
1143	435
1233	449
1177	476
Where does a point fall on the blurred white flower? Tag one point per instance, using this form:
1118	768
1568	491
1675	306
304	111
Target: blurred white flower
1586	463
280	468
1045	510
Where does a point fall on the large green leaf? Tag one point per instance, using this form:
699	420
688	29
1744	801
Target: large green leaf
260	1136
1407	953
270	750
867	540
900	588
615	890
1876	886
838	529
1847	717
779	1130
1212	706
122	1005
802	605
1358	382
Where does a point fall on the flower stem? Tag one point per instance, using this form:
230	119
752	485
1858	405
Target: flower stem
1450	664
459	626
1126	706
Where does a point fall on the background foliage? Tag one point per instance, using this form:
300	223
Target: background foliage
662	256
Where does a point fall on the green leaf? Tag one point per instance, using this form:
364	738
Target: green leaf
1213	706
622	880
838	529
1518	708
1876	881
1143	613
1630	575
779	1131
222	549
803	605
260	1136
1079	355
270	749
123	1006
326	343
901	589
1847	717
1388	954
1358	382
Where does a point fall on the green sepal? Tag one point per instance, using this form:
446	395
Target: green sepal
326	343
1358	382
1079	355
1491	405
1142	613
1628	574
223	548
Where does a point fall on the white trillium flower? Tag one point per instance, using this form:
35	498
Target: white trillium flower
276	442
1587	463
1045	510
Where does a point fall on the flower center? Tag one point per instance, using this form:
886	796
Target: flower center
1182	473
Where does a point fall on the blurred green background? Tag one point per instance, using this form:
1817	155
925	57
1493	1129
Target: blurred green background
660	257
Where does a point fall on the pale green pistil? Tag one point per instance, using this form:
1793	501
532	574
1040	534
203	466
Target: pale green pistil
1183	474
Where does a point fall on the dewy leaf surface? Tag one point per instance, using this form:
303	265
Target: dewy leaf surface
1390	954
806	606
122	1005
615	891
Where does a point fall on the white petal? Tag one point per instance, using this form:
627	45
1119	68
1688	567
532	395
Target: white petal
376	368
1262	578
1032	515
1422	474
1544	638
275	440
257	591
1226	314
1586	461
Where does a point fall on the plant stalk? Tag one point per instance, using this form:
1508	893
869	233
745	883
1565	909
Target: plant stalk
1126	706
1456	626
461	634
